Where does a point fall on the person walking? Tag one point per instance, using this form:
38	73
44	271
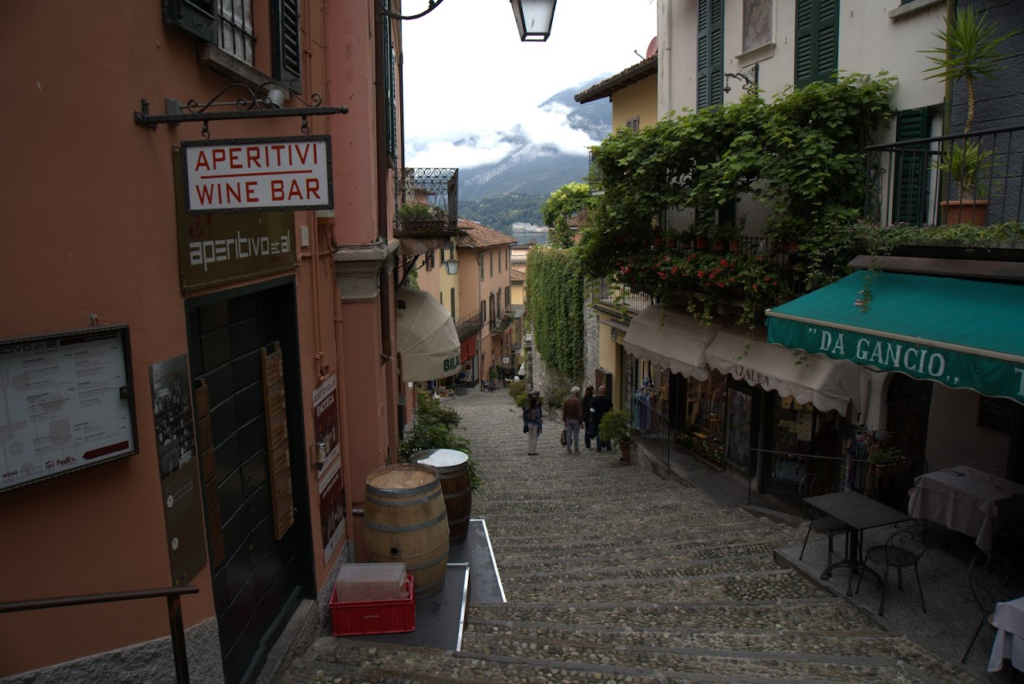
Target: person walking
602	405
588	424
533	422
572	416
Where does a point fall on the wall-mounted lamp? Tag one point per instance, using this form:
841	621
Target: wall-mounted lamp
533	17
749	79
451	267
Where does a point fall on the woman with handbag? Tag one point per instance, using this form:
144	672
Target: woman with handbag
533	422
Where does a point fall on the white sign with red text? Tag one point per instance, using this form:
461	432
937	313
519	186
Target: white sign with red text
258	175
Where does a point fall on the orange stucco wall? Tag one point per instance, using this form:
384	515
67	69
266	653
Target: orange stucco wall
90	229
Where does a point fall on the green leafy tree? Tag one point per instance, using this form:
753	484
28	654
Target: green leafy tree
561	205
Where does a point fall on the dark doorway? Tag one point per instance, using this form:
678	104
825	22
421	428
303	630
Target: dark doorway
909	402
257	579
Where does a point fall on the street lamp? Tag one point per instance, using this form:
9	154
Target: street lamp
534	17
451	267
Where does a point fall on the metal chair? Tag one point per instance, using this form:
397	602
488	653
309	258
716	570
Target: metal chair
902	549
812	485
991	578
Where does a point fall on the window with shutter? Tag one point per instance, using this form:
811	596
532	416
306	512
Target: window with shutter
287	43
198	17
710	52
390	89
234	29
633	124
817	41
910	168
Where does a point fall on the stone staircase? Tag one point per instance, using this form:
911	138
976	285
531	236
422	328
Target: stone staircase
614	575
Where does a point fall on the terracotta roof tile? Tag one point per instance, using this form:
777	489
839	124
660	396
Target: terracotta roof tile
628	76
518	274
478	236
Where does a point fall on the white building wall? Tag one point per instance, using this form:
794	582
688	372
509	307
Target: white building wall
874	35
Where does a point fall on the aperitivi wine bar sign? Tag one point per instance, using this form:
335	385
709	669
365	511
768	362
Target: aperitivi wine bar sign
265	174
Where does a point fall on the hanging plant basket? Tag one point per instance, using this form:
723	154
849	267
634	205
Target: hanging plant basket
719	245
734	245
702	242
671	243
657	242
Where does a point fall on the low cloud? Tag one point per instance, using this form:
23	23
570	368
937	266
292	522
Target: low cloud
540	130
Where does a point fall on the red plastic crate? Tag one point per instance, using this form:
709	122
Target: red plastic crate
374	617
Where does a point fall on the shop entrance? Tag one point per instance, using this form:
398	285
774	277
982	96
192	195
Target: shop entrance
257	579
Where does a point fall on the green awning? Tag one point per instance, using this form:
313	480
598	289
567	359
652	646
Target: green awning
962	333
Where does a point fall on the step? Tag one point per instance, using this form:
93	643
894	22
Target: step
794	615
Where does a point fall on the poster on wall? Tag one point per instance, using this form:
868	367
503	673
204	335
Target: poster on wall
329	484
65	403
179	468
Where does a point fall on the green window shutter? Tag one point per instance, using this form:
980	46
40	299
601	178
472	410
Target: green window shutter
817	41
390	89
197	17
910	168
710	52
287	43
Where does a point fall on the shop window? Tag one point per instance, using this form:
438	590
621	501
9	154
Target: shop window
739	422
706	418
799	434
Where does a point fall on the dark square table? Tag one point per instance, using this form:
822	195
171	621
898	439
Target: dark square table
859	513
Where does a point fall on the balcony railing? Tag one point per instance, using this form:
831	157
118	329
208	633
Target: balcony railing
616	295
469	325
949	179
430	202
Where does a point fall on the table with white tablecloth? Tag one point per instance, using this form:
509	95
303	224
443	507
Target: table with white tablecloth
1009	643
964	499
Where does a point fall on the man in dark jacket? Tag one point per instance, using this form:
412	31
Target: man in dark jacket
588	424
572	416
602	405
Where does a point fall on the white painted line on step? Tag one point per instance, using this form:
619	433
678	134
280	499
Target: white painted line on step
494	563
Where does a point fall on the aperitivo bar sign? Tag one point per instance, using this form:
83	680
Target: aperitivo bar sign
264	174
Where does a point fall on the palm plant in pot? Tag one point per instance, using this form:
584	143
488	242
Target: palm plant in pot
615	428
970	50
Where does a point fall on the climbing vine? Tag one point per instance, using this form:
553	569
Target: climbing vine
799	154
554	286
564	203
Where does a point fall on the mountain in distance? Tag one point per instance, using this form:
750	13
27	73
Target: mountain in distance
513	189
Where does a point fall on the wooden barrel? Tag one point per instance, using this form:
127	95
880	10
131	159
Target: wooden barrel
406	522
453	469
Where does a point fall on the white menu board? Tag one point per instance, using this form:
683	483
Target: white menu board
65	404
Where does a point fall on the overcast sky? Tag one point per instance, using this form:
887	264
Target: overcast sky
468	74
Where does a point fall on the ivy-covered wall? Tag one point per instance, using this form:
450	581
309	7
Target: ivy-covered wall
554	291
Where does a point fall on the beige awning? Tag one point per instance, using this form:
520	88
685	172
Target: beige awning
670	339
826	383
426	337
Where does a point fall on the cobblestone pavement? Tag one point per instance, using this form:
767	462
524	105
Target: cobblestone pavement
614	575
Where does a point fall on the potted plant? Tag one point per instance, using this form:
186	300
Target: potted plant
970	49
615	428
968	165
